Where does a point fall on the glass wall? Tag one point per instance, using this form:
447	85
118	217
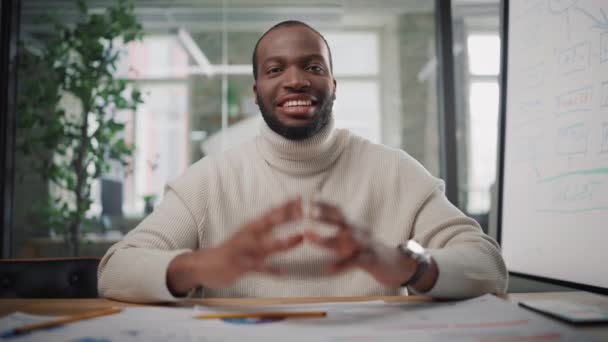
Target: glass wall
477	66
193	68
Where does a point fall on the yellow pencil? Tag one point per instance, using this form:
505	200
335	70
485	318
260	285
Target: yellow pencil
75	318
267	314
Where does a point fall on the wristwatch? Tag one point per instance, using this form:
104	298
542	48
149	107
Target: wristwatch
414	250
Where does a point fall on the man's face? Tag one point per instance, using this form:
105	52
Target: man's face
295	88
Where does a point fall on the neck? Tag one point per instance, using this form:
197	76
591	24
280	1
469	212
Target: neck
305	156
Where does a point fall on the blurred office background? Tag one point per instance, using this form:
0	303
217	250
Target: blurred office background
194	70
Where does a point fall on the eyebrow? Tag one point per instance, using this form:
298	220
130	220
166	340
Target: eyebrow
305	58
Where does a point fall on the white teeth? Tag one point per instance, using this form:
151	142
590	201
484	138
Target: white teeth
295	103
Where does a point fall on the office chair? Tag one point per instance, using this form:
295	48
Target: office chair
49	278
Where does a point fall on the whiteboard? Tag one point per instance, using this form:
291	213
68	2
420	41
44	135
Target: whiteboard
554	205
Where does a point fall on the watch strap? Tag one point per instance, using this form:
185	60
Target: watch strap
421	268
420	257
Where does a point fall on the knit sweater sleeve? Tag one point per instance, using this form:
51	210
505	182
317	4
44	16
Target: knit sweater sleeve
469	261
135	268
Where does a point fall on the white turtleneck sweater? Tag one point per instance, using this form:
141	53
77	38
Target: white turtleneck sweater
383	188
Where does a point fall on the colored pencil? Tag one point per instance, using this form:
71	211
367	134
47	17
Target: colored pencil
267	314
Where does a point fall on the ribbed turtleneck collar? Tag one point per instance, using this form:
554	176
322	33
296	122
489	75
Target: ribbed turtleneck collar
306	156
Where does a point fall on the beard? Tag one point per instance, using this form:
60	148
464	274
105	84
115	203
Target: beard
319	119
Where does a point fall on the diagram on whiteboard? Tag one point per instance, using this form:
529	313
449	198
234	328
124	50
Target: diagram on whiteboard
557	107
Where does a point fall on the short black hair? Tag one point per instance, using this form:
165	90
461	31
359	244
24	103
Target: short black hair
286	23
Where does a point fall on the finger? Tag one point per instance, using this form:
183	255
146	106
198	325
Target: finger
329	213
276	246
343	243
290	211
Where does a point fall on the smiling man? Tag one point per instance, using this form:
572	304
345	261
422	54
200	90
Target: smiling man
294	88
248	223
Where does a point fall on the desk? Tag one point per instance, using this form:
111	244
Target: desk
74	306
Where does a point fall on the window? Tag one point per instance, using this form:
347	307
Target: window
484	54
159	129
194	70
483	100
357	106
484	60
477	47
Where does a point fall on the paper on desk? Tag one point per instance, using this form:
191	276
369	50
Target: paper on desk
17	319
124	326
486	318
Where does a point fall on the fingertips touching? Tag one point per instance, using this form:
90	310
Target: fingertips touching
292	241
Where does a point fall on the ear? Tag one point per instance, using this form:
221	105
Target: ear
335	86
255	92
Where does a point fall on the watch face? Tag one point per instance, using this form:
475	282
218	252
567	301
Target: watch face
415	247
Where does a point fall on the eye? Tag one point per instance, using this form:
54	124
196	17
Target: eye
273	70
315	68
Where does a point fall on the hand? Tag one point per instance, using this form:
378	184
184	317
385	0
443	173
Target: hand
246	251
356	248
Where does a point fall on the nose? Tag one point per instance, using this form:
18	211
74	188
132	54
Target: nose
295	79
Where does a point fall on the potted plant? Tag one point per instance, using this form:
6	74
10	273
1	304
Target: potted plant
71	146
